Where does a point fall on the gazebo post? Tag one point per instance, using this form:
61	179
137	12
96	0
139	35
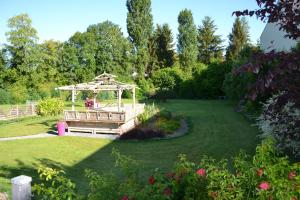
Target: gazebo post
133	96
119	99
73	99
94	99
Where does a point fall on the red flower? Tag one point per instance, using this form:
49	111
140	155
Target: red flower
264	186
167	192
125	198
292	175
151	180
201	172
259	172
294	198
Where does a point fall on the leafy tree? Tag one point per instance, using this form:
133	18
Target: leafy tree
209	44
187	40
22	38
85	47
140	27
113	51
164	45
238	38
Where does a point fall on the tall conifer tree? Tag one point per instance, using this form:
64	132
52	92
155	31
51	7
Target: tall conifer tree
209	44
238	38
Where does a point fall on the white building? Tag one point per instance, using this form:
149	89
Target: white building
273	39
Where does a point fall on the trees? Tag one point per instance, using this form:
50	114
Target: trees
22	38
140	27
238	38
187	40
209	44
164	45
113	50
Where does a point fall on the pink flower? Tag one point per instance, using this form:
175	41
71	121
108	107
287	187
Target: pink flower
151	180
259	172
264	186
125	198
201	172
167	192
292	175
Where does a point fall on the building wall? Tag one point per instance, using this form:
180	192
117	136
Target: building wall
273	39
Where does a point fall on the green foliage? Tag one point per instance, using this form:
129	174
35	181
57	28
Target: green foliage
50	107
164	46
209	44
113	50
4	97
167	125
167	78
22	38
235	87
139	28
209	81
18	93
238	38
282	125
150	112
110	186
146	88
267	176
187	40
54	186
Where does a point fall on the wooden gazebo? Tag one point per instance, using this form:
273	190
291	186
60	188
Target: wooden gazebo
115	119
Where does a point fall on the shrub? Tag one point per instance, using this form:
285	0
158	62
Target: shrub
208	82
50	107
282	124
18	93
4	97
167	81
54	185
149	112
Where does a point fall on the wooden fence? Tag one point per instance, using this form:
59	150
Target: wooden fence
16	111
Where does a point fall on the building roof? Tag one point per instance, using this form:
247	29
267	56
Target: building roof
103	82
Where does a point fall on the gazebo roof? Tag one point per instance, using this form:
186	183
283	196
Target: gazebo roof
103	82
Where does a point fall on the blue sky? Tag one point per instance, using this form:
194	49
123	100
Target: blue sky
59	19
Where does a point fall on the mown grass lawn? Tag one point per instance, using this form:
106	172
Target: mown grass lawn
216	130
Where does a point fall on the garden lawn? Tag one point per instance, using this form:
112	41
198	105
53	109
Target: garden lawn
27	126
216	130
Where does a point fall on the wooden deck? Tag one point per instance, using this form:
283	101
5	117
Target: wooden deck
103	120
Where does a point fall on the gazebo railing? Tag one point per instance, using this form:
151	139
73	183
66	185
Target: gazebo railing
95	116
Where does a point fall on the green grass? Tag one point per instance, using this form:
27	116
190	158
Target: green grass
216	131
27	126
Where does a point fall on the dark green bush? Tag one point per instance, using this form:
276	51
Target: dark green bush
208	82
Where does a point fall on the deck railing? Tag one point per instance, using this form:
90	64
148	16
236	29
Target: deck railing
95	116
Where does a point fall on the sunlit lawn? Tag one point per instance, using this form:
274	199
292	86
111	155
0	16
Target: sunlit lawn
216	131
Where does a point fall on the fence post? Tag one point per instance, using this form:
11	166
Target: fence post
21	188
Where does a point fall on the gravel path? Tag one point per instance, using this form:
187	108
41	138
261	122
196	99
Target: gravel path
46	135
42	135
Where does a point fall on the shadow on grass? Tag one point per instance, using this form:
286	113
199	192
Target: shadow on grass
206	135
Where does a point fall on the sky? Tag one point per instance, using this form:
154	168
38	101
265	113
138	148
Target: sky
60	19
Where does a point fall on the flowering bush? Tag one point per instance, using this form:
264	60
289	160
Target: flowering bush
267	176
